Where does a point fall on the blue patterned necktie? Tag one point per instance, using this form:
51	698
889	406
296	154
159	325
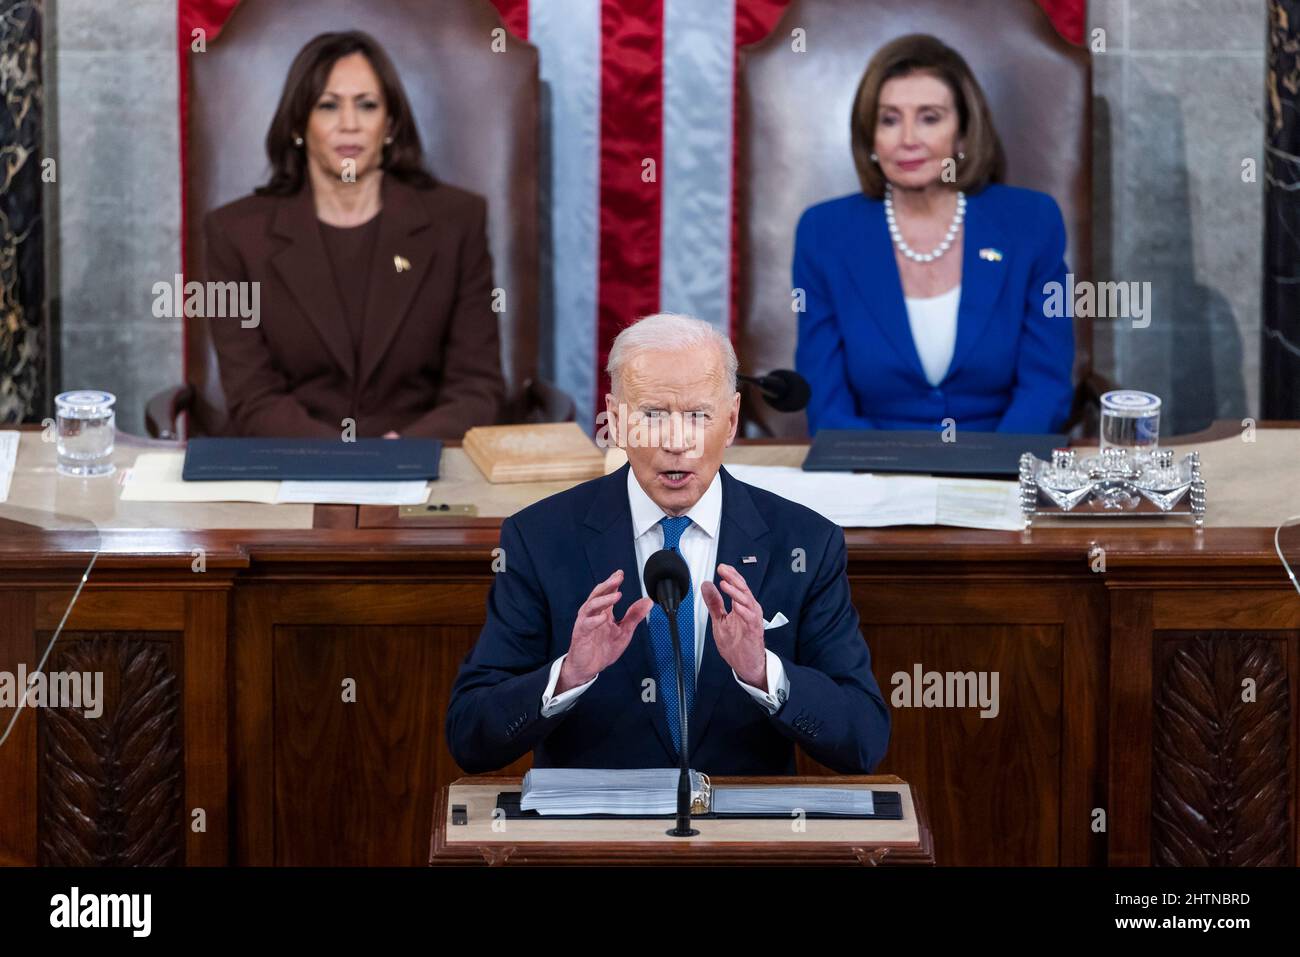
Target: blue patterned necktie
661	641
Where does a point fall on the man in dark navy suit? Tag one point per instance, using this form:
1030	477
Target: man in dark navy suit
576	665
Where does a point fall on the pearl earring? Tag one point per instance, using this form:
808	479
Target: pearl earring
961	155
875	158
297	141
388	140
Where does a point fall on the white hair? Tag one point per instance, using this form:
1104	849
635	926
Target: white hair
669	331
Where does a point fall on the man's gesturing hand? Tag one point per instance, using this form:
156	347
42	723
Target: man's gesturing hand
739	634
598	640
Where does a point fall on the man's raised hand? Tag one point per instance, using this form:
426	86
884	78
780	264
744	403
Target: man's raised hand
598	640
738	633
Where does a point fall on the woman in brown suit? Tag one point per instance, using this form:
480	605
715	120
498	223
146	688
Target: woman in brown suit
375	279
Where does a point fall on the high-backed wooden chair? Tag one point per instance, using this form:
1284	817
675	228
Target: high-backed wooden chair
478	116
794	144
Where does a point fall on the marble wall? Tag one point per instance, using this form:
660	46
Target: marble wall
1179	100
119	196
1179	107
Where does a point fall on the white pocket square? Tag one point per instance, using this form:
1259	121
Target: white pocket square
776	622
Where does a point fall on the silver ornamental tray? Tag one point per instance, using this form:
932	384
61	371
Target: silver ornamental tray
1115	482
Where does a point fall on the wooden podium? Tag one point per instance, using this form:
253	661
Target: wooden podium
730	841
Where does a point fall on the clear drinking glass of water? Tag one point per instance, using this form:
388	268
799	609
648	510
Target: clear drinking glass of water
1130	420
86	426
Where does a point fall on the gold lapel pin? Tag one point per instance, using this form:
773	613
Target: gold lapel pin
991	254
401	263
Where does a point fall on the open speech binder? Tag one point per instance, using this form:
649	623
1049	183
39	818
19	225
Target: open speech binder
593	793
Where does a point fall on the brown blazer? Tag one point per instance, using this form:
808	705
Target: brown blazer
430	362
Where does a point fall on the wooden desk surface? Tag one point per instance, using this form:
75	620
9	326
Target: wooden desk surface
726	841
41	496
48	516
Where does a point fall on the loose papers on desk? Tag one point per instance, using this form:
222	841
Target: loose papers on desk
855	500
8	456
156	477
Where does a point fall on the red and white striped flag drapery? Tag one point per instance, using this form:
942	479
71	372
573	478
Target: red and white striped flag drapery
631	81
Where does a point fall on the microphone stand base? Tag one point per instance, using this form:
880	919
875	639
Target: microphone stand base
681	832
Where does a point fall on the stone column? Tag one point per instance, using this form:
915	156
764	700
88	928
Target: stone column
1280	361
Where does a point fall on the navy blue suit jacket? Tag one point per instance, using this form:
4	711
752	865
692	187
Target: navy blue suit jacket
558	550
1011	368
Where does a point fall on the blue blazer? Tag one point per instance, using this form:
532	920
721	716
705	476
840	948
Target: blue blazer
558	550
1011	367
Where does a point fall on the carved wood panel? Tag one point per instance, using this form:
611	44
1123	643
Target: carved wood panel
1221	757
110	788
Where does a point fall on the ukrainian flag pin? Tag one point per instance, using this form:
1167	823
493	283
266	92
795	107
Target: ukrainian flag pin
991	254
401	263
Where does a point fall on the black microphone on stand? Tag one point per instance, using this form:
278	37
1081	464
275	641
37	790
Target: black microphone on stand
783	389
668	582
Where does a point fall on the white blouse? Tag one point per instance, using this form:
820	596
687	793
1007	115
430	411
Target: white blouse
934	330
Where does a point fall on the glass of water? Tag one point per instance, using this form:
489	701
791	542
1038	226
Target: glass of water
86	426
1130	420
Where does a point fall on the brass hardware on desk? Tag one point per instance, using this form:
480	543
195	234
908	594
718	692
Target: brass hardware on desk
433	509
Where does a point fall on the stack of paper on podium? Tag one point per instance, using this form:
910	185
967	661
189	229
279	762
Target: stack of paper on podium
653	791
597	791
781	800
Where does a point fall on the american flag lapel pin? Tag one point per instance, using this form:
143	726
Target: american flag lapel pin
749	559
991	254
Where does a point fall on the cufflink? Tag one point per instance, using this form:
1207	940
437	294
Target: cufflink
401	263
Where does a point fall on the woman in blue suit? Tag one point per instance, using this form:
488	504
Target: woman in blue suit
923	295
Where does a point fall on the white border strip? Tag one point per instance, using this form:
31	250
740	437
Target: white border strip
695	255
567	35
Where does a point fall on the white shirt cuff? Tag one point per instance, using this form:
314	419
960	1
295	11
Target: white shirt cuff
776	680
553	704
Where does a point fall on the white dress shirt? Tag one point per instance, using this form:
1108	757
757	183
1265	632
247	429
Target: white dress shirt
699	547
934	330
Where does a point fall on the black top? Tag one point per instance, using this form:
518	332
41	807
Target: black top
351	253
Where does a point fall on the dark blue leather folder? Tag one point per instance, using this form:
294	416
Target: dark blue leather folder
972	454
312	460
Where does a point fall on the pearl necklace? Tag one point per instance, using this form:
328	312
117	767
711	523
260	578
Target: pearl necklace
901	243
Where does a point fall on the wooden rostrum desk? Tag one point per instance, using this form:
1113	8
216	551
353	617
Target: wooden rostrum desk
483	839
226	632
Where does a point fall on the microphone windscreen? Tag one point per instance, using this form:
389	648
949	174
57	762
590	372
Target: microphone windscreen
793	392
666	567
